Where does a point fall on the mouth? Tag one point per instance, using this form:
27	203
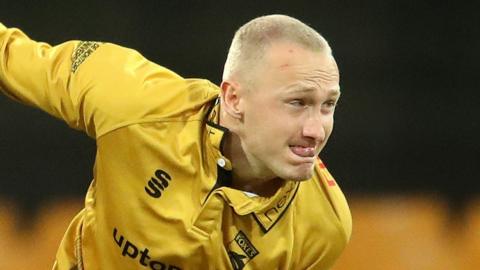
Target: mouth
303	151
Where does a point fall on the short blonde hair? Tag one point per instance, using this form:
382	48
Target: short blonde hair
252	39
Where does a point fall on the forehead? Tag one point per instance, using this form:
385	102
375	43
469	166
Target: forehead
288	65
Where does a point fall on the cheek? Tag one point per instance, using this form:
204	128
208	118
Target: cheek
274	130
328	127
267	124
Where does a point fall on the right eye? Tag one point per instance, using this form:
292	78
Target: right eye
297	103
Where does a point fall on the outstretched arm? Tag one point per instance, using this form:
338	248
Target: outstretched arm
95	87
37	74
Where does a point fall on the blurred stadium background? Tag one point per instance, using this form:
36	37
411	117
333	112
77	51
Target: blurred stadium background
405	149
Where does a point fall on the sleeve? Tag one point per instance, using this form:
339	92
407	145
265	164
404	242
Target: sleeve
94	87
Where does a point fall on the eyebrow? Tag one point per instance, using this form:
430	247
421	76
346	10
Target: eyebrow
298	88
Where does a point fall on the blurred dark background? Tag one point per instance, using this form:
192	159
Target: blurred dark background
407	121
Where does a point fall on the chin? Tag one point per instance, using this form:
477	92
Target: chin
300	178
290	170
299	174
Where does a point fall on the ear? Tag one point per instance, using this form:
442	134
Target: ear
231	99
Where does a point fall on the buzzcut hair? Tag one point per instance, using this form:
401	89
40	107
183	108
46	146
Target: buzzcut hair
251	41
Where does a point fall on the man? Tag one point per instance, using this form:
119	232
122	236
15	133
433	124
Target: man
189	175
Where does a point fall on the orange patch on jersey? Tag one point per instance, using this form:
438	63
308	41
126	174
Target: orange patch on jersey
330	182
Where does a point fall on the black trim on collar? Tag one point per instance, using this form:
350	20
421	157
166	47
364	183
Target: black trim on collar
217	126
224	179
212	105
225	130
266	230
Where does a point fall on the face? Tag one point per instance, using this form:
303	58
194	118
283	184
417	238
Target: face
288	113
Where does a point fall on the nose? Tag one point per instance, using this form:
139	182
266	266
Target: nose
314	128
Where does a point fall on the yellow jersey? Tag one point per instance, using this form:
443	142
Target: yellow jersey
160	197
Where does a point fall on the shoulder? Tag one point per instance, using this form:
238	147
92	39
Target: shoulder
326	184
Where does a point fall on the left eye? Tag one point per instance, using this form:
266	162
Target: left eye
297	102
